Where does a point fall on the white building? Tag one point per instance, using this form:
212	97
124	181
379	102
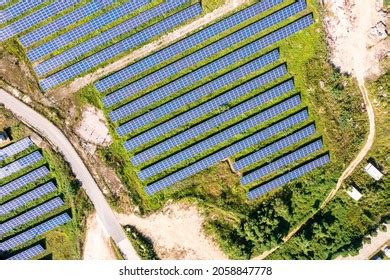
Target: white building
373	172
355	194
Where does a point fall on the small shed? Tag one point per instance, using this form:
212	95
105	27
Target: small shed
373	172
354	193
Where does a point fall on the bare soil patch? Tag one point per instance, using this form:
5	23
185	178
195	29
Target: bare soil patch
176	232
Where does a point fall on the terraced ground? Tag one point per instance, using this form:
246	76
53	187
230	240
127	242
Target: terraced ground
31	203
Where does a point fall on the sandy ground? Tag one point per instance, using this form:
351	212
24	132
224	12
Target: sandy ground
356	36
369	250
164	41
176	233
97	243
93	128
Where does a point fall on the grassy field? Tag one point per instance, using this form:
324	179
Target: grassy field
63	242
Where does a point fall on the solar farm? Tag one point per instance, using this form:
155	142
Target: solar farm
223	92
220	93
30	203
88	34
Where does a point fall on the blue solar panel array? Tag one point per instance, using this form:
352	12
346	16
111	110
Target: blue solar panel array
274	147
226	152
30	215
288	177
204	90
34	232
213	49
185	44
23	181
191	78
222	136
122	46
15	148
84	29
35	18
216	121
19	164
201	110
64	21
28	254
281	162
26	198
18	9
105	37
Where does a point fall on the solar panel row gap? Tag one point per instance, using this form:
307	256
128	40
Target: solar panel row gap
35	18
274	147
34	232
117	49
281	162
288	177
201	91
206	52
84	29
31	215
59	24
23	181
192	78
202	146
27	198
235	112
105	37
203	109
28	254
20	164
15	148
229	151
183	45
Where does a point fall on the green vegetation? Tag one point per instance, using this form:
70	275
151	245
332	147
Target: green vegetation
210	5
64	242
344	225
141	243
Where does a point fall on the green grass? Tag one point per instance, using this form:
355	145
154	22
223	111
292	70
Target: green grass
64	242
210	5
141	244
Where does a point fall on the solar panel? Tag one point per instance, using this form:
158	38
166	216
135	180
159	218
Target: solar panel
193	77
34	232
274	147
28	254
59	24
84	29
35	18
30	215
131	42
18	9
287	177
104	37
210	50
15	148
26	198
183	45
281	162
19	164
226	152
241	127
23	181
196	112
212	123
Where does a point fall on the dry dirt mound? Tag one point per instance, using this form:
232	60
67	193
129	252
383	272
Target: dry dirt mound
176	233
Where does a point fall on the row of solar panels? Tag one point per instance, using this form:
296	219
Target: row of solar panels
170	145
50	67
21	209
